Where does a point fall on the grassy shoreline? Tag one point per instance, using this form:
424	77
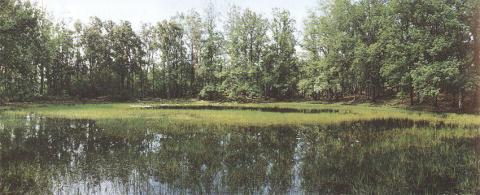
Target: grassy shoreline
135	110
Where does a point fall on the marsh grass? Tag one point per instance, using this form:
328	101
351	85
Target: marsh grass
391	156
403	160
241	117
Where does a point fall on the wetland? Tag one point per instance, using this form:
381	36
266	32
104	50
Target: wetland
125	149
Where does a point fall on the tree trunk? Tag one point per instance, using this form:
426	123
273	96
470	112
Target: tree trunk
354	93
476	101
153	81
412	96
476	46
460	100
194	65
42	80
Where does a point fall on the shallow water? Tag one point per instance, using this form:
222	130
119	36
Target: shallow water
41	155
261	109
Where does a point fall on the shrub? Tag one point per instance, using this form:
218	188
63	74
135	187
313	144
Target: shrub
210	92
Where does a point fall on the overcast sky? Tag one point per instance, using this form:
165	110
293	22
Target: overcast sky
152	11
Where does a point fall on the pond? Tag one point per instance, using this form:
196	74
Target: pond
41	155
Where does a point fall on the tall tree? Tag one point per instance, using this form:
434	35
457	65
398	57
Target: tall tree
97	56
329	41
281	69
401	48
127	56
192	25
176	70
20	40
147	36
61	69
475	30
211	57
444	54
246	44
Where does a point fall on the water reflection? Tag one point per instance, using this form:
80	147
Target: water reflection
41	155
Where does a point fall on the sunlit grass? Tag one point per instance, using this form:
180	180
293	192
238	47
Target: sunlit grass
124	111
385	158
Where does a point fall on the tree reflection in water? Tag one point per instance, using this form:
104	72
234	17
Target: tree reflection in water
42	155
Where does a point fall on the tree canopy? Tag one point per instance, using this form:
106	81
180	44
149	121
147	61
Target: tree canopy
420	51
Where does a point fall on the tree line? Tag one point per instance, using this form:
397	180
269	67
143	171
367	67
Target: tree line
422	51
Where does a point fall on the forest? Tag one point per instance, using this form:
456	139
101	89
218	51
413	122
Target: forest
346	97
417	51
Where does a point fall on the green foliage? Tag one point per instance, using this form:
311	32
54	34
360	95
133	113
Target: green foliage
21	42
280	75
377	48
211	55
175	68
127	55
211	92
247	47
428	80
362	49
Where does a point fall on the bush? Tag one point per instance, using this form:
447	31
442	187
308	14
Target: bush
210	92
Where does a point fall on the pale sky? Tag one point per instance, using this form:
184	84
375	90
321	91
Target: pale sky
152	11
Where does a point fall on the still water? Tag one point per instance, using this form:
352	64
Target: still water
57	156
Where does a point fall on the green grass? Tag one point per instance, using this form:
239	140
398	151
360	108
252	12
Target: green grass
365	160
129	111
